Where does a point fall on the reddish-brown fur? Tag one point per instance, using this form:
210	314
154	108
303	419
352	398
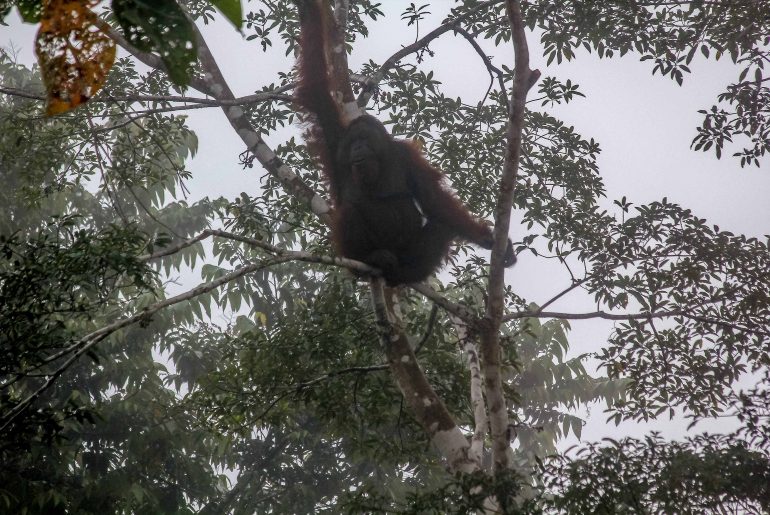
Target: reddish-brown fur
377	182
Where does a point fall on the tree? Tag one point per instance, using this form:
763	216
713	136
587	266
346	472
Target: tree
294	391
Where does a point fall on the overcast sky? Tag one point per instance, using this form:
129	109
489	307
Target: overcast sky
643	123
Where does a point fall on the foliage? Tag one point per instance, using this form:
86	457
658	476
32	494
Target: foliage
270	393
75	50
706	474
465	493
672	34
70	262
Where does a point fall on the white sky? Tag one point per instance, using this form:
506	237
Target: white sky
643	123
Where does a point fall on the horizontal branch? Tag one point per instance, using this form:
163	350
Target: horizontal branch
603	315
87	342
277	94
351	370
590	315
294	255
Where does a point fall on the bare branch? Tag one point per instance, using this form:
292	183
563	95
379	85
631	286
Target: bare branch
352	264
759	330
575	284
494	71
276	94
371	84
457	310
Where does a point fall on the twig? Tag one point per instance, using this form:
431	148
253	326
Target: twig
575	284
352	370
428	330
371	84
493	70
173	249
458	310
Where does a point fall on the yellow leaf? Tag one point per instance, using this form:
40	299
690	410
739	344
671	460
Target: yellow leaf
262	318
74	55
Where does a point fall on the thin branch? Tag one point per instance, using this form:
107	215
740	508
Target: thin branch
428	330
86	343
262	96
575	284
173	249
371	84
352	264
307	257
352	370
493	70
591	315
636	316
15	92
458	310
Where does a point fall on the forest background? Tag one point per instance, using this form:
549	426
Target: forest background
270	392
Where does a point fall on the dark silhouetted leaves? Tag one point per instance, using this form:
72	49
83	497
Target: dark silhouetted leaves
160	26
231	9
29	10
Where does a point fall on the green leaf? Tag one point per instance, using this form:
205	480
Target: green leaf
137	492
231	9
5	8
160	26
30	10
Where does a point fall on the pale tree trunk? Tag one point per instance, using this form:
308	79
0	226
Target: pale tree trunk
426	407
481	423
524	79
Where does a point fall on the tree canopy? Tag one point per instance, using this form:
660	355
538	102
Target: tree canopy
171	354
